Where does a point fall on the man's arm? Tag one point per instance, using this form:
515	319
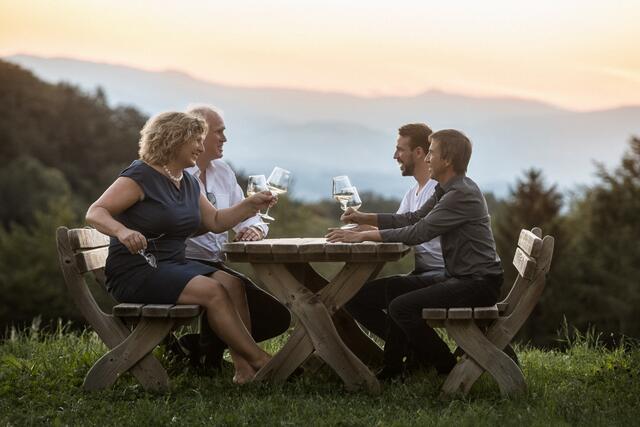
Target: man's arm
386	220
450	212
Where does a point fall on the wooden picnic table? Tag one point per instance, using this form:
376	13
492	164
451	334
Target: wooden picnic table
283	266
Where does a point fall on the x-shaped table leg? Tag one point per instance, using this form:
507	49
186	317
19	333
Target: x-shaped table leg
317	331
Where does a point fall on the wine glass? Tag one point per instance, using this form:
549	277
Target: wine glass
277	183
354	203
256	184
342	191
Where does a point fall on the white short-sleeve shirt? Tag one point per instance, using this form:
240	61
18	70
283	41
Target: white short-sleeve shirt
428	255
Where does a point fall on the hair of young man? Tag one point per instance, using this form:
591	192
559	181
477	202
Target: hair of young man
418	134
165	133
455	147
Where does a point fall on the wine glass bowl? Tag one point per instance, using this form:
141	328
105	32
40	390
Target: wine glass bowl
257	184
354	202
277	183
346	194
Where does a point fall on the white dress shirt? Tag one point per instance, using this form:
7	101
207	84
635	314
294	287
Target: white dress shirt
223	191
428	255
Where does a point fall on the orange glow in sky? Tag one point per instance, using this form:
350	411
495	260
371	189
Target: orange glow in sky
581	55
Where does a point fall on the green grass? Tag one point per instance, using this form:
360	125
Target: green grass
41	377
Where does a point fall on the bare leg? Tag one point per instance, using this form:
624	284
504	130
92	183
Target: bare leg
224	319
235	290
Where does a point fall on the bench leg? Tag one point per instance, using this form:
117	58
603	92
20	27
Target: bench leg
136	347
485	354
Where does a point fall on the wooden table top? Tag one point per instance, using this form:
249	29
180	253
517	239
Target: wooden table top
312	249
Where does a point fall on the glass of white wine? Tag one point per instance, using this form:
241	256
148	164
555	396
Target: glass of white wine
277	183
354	203
256	184
342	191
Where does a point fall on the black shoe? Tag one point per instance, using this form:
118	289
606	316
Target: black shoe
446	366
389	373
416	363
213	359
184	347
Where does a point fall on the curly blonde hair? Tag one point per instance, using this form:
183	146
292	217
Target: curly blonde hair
165	133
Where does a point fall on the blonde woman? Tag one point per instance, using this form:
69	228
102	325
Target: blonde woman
150	210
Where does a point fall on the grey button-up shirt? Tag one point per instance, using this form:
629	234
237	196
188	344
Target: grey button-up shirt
458	213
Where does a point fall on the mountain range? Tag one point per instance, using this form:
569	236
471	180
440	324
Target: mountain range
318	135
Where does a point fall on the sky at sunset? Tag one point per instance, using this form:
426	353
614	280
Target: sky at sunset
581	55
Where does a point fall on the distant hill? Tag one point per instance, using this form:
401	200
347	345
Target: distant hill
318	135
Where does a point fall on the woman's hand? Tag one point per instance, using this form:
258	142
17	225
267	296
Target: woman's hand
262	200
133	240
345	236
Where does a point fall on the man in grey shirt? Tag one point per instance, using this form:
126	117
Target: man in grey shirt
457	212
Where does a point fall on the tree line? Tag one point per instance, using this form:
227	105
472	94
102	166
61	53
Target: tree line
61	147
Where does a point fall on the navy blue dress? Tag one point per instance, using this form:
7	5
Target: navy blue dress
165	211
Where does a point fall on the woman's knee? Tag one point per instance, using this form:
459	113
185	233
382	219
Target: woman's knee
214	293
231	283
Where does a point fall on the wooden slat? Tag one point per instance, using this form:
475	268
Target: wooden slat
526	266
393	247
127	310
91	259
502	307
338	251
434	313
312	246
530	243
87	238
184	311
364	251
260	247
156	310
234	247
486	312
460	313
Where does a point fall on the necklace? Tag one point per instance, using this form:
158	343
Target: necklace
175	179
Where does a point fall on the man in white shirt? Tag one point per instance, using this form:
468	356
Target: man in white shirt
269	318
369	306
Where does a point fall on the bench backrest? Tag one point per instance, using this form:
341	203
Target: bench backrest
83	250
532	259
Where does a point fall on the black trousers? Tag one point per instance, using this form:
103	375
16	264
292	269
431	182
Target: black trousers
269	318
370	306
403	298
408	326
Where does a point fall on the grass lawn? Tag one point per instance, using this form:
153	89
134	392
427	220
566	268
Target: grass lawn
41	377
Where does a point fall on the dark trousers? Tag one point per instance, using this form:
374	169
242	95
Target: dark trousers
269	318
370	306
409	328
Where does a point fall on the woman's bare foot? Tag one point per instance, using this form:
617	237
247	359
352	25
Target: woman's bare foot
244	375
264	359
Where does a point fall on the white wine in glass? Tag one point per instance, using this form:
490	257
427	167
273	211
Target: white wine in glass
342	190
256	184
277	183
354	202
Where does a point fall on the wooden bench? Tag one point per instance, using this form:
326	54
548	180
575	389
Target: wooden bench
484	334
132	331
